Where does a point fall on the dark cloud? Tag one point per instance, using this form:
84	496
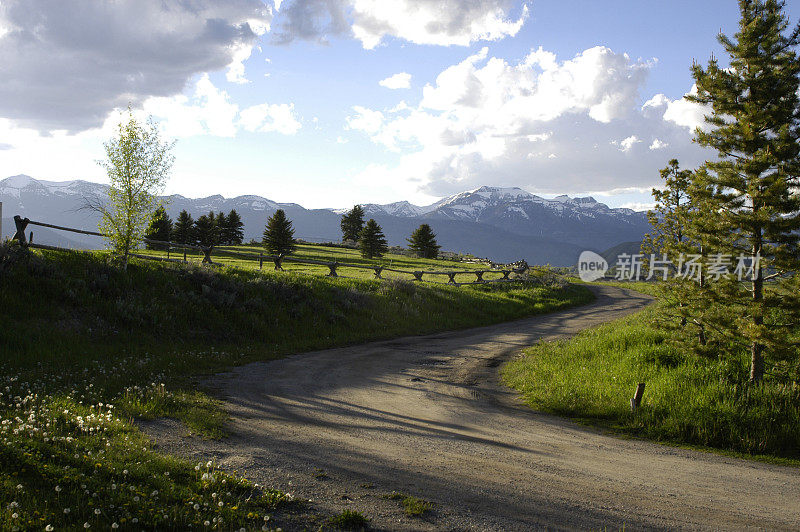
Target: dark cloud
65	65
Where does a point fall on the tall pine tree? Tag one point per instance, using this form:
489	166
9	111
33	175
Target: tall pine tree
234	232
205	230
423	242
160	228
352	223
183	229
221	223
279	234
754	126
371	240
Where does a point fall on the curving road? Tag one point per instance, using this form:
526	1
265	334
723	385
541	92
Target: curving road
427	416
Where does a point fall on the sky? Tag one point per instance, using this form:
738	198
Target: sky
329	103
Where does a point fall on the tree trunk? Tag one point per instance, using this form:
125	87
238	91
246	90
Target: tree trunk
757	349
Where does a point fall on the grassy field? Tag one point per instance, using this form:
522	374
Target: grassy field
87	348
342	255
688	400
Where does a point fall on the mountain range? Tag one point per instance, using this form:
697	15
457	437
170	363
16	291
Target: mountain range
503	224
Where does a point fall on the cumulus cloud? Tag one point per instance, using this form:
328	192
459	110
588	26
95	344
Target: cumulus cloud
543	124
437	22
401	80
66	65
680	111
270	117
658	144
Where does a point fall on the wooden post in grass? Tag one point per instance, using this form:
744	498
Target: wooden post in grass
260	261
479	274
22	224
378	271
417	276
332	267
184	254
207	255
505	273
636	400
278	260
452	276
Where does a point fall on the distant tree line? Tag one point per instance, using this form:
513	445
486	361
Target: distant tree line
208	230
214	229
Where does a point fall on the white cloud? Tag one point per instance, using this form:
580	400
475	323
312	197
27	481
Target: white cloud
543	124
658	144
235	72
681	112
437	22
401	80
107	54
265	117
627	143
638	206
441	22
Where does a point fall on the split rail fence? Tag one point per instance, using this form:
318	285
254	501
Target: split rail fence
22	225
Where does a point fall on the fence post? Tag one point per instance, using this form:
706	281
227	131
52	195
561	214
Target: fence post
278	260
184	255
378	271
479	273
332	266
506	273
260	261
207	255
417	276
452	276
636	400
21	224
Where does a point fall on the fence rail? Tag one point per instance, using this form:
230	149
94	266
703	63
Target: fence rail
278	260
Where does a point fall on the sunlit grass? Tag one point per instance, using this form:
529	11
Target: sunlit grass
687	400
88	348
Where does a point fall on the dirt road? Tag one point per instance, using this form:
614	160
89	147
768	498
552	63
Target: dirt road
427	416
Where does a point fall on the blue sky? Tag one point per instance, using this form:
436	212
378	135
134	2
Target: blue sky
555	97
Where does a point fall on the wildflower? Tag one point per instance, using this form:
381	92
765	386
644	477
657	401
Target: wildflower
206	523
58	488
97	511
49	528
66	510
114	525
196	506
86	525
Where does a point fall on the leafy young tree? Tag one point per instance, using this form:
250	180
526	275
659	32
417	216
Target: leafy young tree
279	234
160	228
371	240
183	230
205	230
423	242
754	125
352	223
234	233
138	164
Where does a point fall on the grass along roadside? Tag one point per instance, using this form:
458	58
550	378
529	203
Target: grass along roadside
687	401
87	348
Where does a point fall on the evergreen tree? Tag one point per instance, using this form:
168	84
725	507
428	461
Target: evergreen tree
160	228
669	240
352	224
279	235
205	230
183	230
754	126
423	242
234	232
221	224
371	240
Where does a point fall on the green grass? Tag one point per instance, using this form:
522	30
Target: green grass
344	255
88	348
413	506
349	520
688	400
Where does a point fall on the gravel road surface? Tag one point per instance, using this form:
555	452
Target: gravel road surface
427	416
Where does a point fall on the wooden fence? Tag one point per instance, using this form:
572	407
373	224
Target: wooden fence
278	260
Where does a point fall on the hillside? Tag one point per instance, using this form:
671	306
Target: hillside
87	347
